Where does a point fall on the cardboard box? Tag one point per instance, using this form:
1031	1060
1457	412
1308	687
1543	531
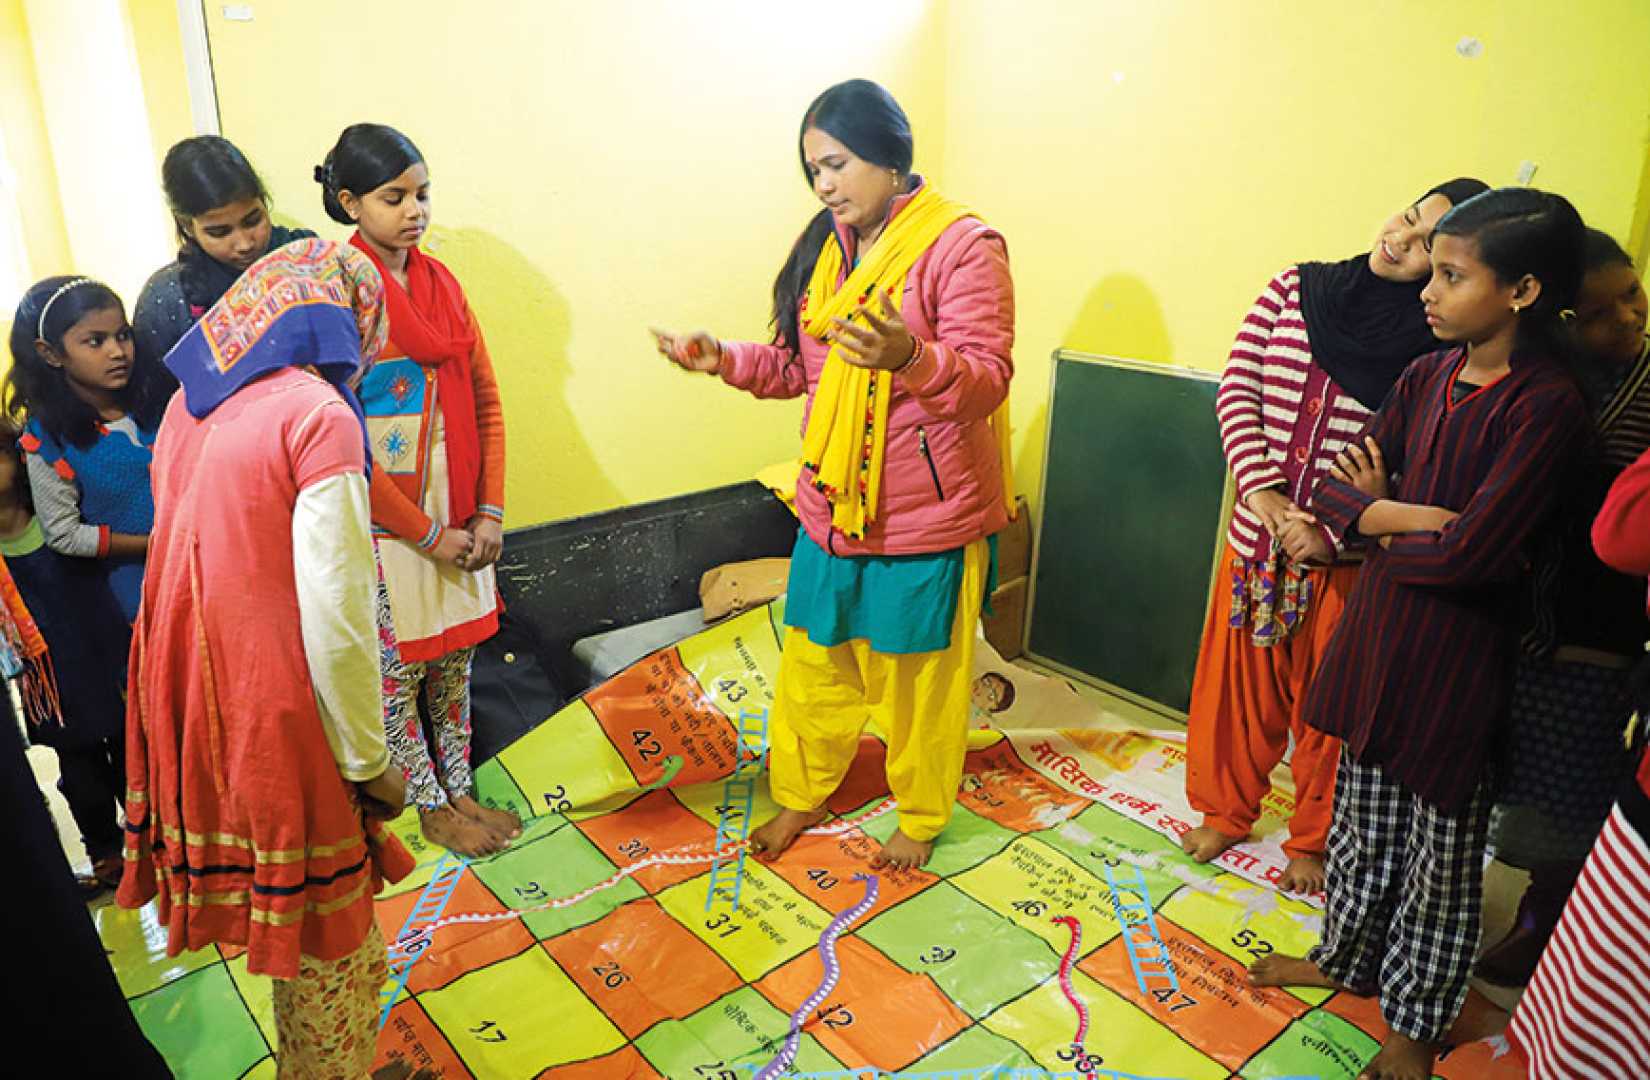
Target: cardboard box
1006	623
735	587
1014	546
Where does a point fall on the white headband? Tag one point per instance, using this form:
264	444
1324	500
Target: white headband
40	325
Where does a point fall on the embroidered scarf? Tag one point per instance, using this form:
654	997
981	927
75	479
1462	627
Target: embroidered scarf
23	654
430	321
204	279
846	439
312	303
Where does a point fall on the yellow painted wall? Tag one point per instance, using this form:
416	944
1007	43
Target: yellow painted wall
98	128
596	168
22	121
602	167
1154	162
159	48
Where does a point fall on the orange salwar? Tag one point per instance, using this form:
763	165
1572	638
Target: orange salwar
1246	703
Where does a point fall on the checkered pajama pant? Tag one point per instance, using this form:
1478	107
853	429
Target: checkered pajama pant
1405	898
445	684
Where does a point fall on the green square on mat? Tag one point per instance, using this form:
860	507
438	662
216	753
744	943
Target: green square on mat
978	958
557	865
967	841
1097	837
200	1025
1317	1044
740	1028
495	788
975	1048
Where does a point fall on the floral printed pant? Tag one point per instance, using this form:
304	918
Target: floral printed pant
326	1019
446	687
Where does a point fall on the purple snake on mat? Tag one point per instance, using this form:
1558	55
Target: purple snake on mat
833	971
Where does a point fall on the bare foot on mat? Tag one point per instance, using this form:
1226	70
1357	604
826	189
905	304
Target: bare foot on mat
1304	874
774	836
902	853
459	834
1401	1058
1204	843
501	823
1280	970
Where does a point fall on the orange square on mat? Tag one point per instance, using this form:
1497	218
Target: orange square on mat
641	966
1216	1010
653	823
822	869
998	785
866	779
626	1062
656	709
464	947
1362	1012
412	1037
879	1014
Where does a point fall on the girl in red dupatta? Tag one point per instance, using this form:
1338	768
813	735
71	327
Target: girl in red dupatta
437	433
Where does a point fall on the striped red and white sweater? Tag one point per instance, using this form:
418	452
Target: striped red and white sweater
1282	418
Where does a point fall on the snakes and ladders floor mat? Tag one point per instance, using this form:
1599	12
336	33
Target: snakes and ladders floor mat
1057	931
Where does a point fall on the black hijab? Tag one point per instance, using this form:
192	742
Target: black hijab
1364	330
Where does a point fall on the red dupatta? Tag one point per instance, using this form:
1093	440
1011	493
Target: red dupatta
430	321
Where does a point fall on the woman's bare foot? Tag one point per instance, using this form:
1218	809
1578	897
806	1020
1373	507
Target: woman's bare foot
773	837
902	853
501	823
1401	1058
1304	874
1280	970
458	833
1205	843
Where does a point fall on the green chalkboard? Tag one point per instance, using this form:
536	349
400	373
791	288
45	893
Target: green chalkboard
1134	483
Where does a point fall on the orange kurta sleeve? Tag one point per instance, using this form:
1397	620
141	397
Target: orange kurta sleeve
393	510
490	426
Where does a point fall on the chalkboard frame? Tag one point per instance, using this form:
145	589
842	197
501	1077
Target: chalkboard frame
1058	357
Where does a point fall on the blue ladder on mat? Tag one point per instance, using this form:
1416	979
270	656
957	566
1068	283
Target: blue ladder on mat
1147	954
727	874
431	903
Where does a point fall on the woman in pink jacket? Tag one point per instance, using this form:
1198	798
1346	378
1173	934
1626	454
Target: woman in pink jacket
894	314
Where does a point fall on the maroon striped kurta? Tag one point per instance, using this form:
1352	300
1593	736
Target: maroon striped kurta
1417	676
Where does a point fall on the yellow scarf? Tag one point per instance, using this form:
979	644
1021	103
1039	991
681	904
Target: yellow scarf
847	434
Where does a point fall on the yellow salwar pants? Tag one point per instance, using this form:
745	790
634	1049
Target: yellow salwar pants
917	703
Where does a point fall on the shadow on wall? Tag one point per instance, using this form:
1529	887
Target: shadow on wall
551	470
1119	317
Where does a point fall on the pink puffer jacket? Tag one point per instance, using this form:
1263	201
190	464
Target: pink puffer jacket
942	484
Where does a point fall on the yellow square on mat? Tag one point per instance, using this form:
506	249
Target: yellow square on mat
1126	1039
706	800
1248	921
1029	883
518	1017
735	662
136	943
258	991
566	762
773	924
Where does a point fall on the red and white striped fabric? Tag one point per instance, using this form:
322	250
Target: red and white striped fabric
1586	1014
1282	418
